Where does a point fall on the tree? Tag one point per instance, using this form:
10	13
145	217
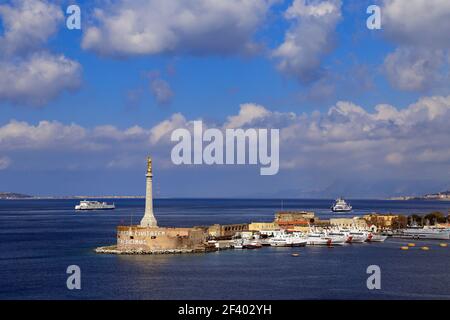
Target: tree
435	217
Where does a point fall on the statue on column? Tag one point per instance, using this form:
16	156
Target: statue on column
149	165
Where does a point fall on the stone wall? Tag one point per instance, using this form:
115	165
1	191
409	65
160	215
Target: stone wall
155	239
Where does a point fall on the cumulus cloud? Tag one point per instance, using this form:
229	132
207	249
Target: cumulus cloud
38	79
28	24
30	75
414	69
310	38
142	27
417	27
417	22
248	113
346	142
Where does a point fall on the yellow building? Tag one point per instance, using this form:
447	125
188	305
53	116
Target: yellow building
227	230
258	226
286	216
382	221
349	223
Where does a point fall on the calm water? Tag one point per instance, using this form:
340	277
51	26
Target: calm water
39	239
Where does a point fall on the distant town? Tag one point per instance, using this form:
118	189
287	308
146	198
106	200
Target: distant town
445	195
20	196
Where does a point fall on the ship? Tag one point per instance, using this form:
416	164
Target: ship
94	205
423	233
341	206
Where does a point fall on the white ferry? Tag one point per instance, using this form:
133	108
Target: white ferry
94	205
341	206
424	233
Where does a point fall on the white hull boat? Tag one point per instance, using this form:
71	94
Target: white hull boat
373	237
341	206
94	205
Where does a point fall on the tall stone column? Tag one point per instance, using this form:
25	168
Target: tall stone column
149	219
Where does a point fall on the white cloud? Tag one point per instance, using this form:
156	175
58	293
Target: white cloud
417	22
165	128
141	27
21	135
414	69
161	91
38	79
347	141
28	24
247	114
309	39
4	163
29	75
419	28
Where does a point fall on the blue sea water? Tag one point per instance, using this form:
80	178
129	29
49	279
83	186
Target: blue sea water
39	239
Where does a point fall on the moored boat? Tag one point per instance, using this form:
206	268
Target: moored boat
374	237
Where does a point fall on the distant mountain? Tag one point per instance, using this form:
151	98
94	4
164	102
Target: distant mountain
12	195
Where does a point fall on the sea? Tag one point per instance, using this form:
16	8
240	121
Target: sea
40	239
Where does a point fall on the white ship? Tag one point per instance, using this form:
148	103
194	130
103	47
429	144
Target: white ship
324	240
341	206
94	205
287	241
374	237
424	233
358	236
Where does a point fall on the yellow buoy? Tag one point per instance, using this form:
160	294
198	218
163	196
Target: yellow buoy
444	245
404	248
411	244
425	248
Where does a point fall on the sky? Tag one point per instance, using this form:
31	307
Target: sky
362	113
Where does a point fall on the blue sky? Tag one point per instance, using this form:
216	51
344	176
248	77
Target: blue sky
210	75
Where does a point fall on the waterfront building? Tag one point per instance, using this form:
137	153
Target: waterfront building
226	231
384	221
286	216
263	226
349	223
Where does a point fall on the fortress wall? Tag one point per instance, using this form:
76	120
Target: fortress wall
158	239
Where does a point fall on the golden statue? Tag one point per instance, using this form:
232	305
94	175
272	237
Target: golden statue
149	165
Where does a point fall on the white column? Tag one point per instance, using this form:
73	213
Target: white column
149	219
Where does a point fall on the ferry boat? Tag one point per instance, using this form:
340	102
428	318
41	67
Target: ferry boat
424	233
94	205
340	205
